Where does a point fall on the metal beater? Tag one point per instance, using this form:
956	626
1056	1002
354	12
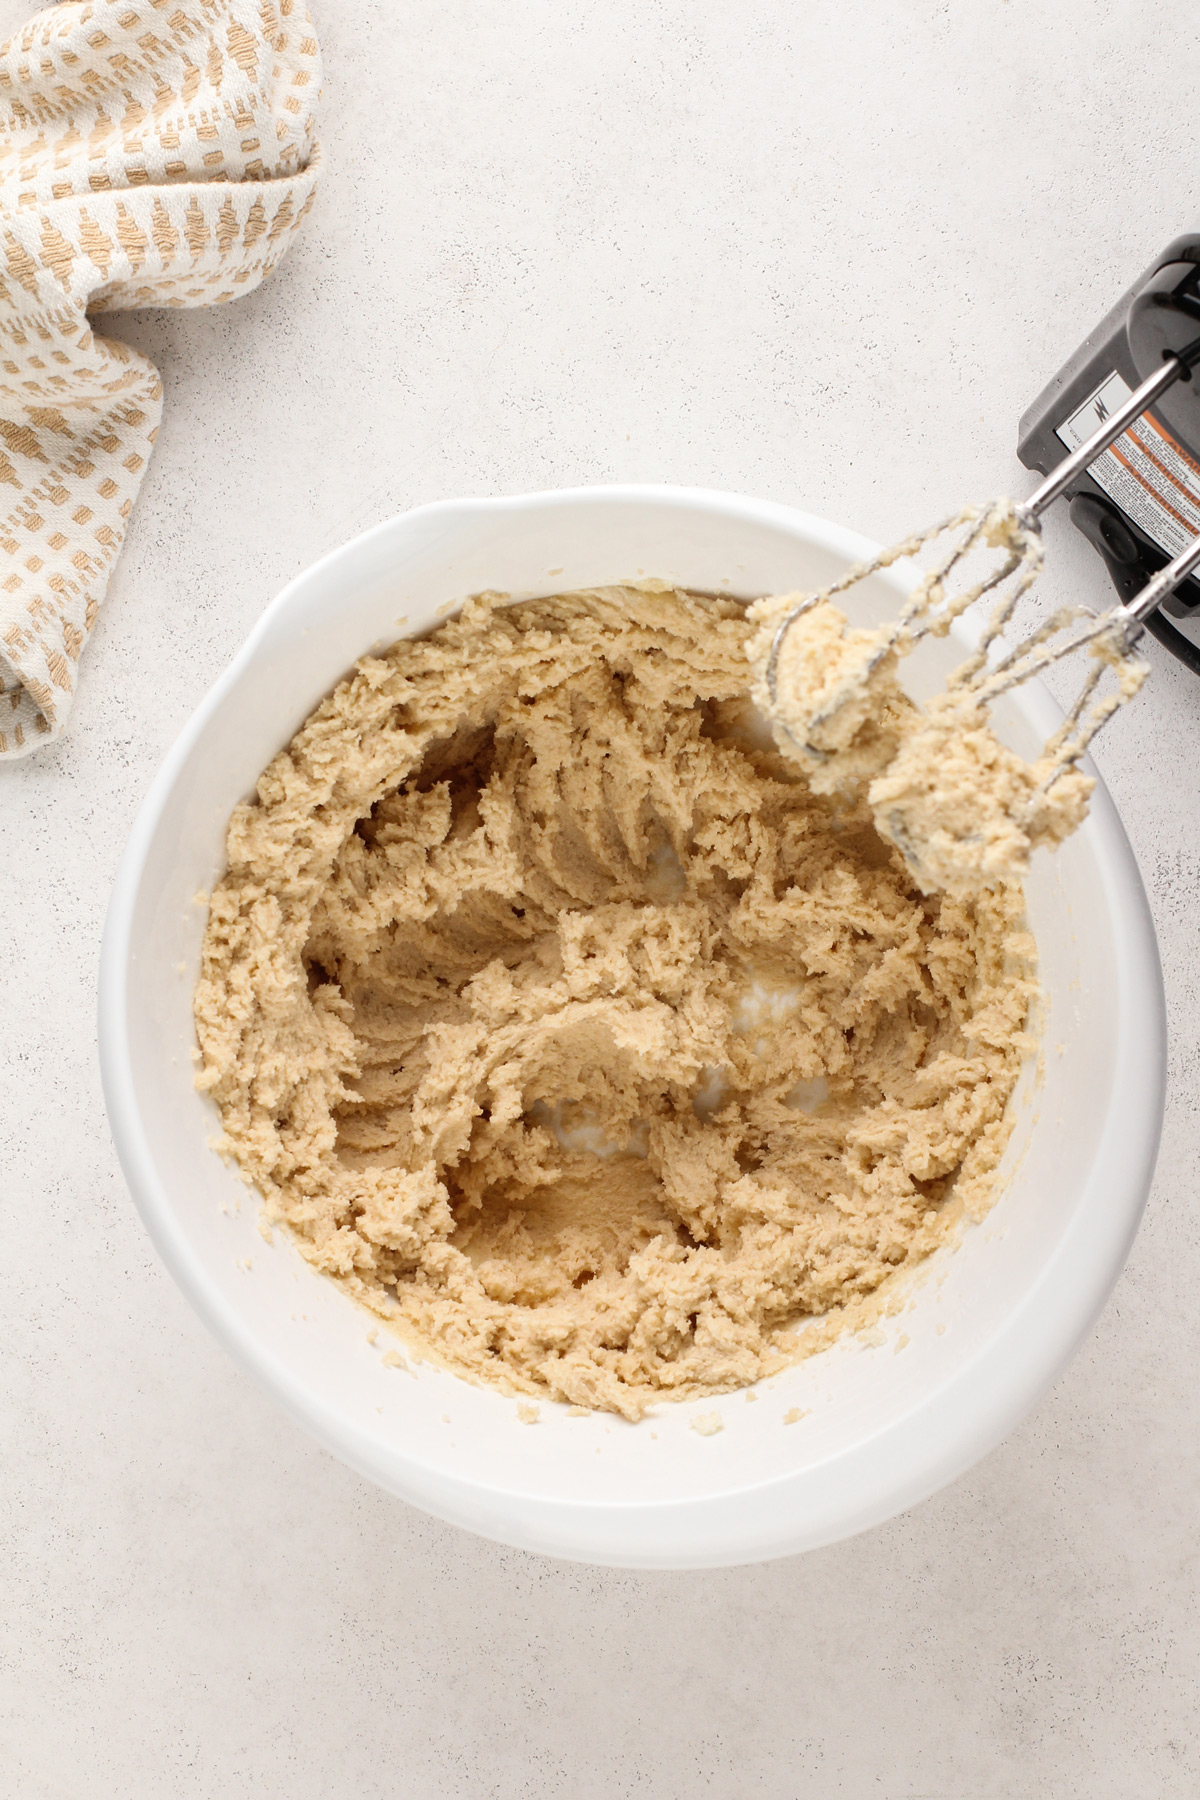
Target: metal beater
931	607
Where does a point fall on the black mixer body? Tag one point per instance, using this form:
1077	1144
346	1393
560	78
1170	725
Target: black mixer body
1139	502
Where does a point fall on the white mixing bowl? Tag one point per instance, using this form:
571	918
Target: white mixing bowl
989	1323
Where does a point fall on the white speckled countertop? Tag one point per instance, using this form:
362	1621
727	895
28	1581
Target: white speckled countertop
823	253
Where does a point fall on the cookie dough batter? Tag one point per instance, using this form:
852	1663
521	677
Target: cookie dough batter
571	1029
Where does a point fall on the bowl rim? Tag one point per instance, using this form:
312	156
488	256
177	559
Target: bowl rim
892	1469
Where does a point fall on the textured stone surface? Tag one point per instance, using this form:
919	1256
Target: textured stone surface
822	253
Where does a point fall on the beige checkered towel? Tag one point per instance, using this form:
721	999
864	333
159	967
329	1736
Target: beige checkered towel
152	153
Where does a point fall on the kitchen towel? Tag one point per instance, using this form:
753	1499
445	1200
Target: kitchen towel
152	153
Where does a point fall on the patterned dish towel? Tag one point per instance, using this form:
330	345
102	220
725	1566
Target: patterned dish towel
152	153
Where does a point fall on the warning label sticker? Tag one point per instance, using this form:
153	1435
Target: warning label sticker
1149	475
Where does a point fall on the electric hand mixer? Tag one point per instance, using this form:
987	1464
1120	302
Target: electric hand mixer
1132	501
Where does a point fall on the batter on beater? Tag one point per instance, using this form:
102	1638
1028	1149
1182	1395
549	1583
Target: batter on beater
964	810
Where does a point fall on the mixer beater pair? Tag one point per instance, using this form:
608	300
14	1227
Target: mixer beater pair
1015	528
